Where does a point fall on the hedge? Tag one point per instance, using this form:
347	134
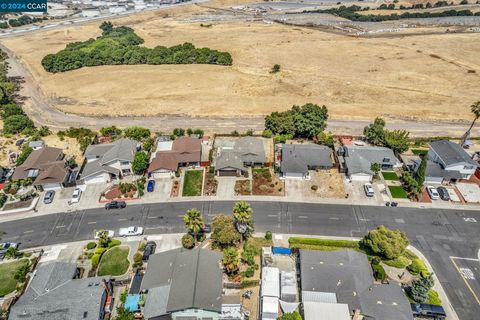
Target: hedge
323	242
100	251
249	283
114	243
400	262
95	260
418	267
433	298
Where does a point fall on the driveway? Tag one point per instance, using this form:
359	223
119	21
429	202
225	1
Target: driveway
226	187
294	189
161	192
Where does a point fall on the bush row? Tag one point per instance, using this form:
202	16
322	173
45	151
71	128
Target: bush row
323	242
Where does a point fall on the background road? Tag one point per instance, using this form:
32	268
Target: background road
439	234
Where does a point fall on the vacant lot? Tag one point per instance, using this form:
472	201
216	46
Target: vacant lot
192	184
7	272
425	77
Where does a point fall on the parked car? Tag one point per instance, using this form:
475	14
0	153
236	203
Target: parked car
369	190
432	192
48	197
443	192
115	205
150	185
428	311
111	233
149	250
5	246
130	231
77	193
19	142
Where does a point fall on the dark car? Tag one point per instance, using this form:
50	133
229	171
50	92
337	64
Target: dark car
19	142
428	311
5	246
150	185
48	197
115	205
149	250
443	192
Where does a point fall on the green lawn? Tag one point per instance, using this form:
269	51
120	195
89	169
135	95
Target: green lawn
398	192
192	184
389	175
7	271
420	152
114	262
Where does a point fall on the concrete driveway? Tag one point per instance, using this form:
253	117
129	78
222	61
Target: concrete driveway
294	189
161	192
226	187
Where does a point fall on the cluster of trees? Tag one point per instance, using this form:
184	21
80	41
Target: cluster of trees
306	121
84	136
120	45
376	134
21	21
414	182
351	14
386	243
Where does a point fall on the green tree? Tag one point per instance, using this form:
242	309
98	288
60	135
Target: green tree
194	222
230	260
275	68
21	274
242	216
326	138
295	315
16	124
26	151
397	140
420	288
309	120
11	252
280	123
411	183
187	241
148	144
178	132
199	132
475	109
420	173
111	131
103	238
387	243
375	132
106	27
10	109
140	162
224	234
136	133
123	314
375	167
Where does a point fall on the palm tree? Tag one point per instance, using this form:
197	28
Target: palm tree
475	108
242	216
230	260
193	222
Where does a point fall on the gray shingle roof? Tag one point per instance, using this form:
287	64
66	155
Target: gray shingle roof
250	149
451	153
193	276
348	274
122	149
96	167
298	158
229	159
54	295
435	170
156	302
358	159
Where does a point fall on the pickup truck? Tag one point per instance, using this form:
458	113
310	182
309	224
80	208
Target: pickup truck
428	311
130	231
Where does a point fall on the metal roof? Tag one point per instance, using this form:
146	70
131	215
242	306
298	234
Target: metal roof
326	311
270	282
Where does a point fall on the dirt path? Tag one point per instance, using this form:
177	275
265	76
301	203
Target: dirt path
43	112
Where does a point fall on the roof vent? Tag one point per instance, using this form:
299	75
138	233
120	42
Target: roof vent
394	304
379	302
339	283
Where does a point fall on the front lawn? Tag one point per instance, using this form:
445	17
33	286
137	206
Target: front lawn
266	184
390	175
7	272
192	184
398	192
114	262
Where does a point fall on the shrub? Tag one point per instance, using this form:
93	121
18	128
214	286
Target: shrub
267	134
95	260
399	262
100	250
16	124
188	242
249	283
91	245
275	68
314	187
390	244
90	254
417	267
378	272
114	243
433	298
224	232
324	242
268	235
137	259
376	260
249	272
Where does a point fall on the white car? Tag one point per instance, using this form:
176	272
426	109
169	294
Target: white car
369	190
76	195
130	231
111	233
433	193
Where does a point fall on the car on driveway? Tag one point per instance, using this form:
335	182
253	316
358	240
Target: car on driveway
5	246
443	192
115	205
77	193
149	250
110	233
150	185
369	190
48	197
432	192
130	231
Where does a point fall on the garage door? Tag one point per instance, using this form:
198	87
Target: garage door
361	177
97	179
51	186
227	173
160	175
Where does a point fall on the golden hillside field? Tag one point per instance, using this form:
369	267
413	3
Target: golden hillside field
425	77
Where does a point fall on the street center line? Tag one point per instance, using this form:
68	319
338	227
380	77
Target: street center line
91	222
272	215
303	217
334	218
28	231
122	219
60	227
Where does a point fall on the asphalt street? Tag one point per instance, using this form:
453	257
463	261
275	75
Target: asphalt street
439	234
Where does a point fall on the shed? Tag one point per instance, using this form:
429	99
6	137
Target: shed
270	282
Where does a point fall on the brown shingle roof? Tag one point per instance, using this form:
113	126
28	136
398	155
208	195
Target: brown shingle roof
164	160
36	159
188	149
54	172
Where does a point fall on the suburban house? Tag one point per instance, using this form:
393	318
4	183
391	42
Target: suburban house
55	293
298	159
46	167
109	161
339	284
183	284
233	157
448	161
171	155
357	160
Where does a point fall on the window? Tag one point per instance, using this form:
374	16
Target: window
124	163
468	167
32	173
126	171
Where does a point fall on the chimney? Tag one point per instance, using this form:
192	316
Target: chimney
356	314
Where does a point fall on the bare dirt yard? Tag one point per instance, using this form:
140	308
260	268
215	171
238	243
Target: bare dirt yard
412	77
325	184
